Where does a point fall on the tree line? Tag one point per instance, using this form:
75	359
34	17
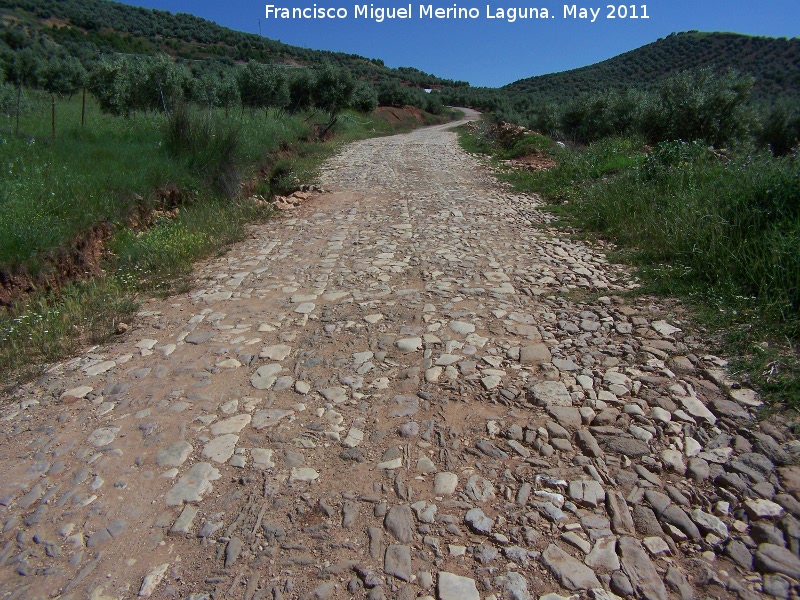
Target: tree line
694	105
125	83
84	27
774	63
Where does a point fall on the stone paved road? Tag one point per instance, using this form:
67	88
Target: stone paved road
407	387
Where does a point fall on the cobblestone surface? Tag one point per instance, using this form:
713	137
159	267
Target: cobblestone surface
406	387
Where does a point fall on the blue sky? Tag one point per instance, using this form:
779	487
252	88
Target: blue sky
494	52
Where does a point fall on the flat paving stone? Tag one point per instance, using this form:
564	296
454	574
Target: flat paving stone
551	393
174	454
570	573
221	448
278	352
265	376
270	417
456	587
193	485
199	337
103	436
230	425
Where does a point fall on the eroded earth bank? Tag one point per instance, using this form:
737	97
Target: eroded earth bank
406	387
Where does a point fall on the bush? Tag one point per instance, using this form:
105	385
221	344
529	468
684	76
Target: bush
545	120
780	130
135	83
301	89
391	93
262	86
531	143
433	103
25	67
204	90
63	77
332	89
364	98
8	100
109	85
703	106
228	92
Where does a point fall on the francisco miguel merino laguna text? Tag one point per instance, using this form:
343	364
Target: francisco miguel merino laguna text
428	11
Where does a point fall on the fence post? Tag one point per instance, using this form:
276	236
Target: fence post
163	102
19	103
53	97
83	108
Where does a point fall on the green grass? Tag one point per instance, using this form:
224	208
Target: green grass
720	232
53	189
731	224
577	171
47	327
118	171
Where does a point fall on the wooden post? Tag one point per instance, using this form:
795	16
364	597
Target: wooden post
19	103
54	116
83	109
163	102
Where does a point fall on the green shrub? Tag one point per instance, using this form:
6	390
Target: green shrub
589	119
132	83
332	89
701	105
301	89
780	130
391	93
8	102
433	103
532	143
263	86
364	98
63	76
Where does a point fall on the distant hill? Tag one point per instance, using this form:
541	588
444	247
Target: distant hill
91	27
88	29
773	62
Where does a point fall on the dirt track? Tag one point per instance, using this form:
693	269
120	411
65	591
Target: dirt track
408	386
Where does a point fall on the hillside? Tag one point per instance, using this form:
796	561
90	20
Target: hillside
88	28
773	62
91	28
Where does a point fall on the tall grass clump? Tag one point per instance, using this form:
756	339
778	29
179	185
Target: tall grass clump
208	144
